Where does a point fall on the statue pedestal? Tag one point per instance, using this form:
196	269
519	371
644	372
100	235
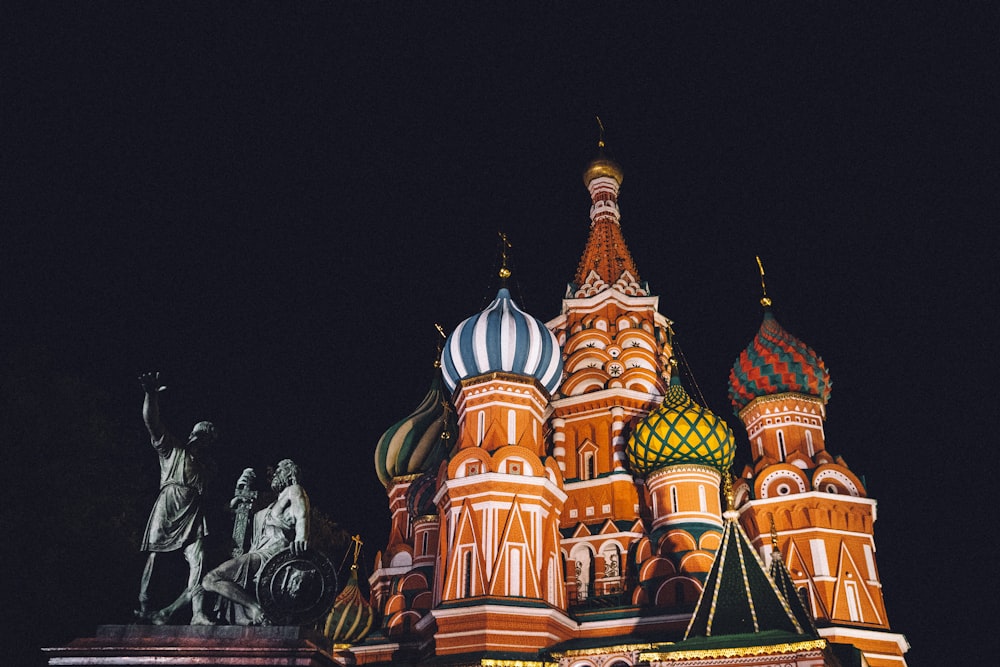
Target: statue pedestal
223	645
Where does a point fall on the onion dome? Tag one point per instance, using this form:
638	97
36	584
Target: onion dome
680	431
603	166
420	495
776	362
351	618
502	338
419	442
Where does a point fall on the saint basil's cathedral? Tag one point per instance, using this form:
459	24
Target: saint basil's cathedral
559	498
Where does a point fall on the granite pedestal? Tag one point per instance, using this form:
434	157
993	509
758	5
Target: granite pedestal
223	645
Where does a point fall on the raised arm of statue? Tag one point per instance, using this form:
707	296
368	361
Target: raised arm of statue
151	405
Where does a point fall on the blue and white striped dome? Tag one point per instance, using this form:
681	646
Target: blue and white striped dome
502	338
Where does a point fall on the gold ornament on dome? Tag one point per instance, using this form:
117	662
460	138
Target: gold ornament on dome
764	300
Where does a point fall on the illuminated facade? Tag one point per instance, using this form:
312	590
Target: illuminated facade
557	498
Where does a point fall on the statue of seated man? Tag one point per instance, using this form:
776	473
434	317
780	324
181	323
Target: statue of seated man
283	523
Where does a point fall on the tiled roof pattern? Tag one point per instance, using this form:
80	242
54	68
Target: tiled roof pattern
680	431
777	362
606	255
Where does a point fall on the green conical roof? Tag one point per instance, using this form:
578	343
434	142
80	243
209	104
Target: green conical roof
739	596
783	580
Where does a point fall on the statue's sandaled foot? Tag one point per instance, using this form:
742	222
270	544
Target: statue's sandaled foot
142	615
201	619
258	617
161	617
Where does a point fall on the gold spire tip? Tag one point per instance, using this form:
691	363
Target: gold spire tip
600	137
764	300
774	532
727	488
504	246
356	539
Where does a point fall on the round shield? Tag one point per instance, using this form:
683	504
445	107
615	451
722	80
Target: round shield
297	590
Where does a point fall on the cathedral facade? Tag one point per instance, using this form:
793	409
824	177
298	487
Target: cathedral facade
559	498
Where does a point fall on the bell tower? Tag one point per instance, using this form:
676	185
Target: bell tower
822	517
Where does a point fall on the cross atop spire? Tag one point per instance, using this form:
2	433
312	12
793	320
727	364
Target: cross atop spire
764	299
606	262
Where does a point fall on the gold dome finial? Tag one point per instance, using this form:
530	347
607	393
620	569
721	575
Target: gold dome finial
764	300
440	330
357	549
504	246
774	532
727	488
602	165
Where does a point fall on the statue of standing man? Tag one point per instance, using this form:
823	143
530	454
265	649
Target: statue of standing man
177	521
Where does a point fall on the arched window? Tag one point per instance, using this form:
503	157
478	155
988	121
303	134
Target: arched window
481	424
853	601
702	498
467	575
514	578
588	465
511	427
673	498
809	443
781	446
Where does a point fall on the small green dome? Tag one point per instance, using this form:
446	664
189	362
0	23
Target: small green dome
680	431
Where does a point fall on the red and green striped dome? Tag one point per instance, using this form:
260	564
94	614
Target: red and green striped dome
776	362
680	431
351	618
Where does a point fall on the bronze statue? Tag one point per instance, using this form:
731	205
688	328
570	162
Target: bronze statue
177	521
282	526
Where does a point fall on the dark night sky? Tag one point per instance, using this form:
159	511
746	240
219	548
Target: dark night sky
273	205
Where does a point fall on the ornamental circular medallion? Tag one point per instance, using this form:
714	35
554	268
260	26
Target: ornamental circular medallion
297	590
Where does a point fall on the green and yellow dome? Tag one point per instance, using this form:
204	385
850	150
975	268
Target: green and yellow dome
680	431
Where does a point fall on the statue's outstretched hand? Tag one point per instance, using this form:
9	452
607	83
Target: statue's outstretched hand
299	547
151	383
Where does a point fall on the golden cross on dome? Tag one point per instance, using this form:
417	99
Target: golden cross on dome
764	300
357	549
504	246
600	138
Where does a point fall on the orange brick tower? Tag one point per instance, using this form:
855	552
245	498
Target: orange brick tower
819	509
615	344
499	580
683	449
